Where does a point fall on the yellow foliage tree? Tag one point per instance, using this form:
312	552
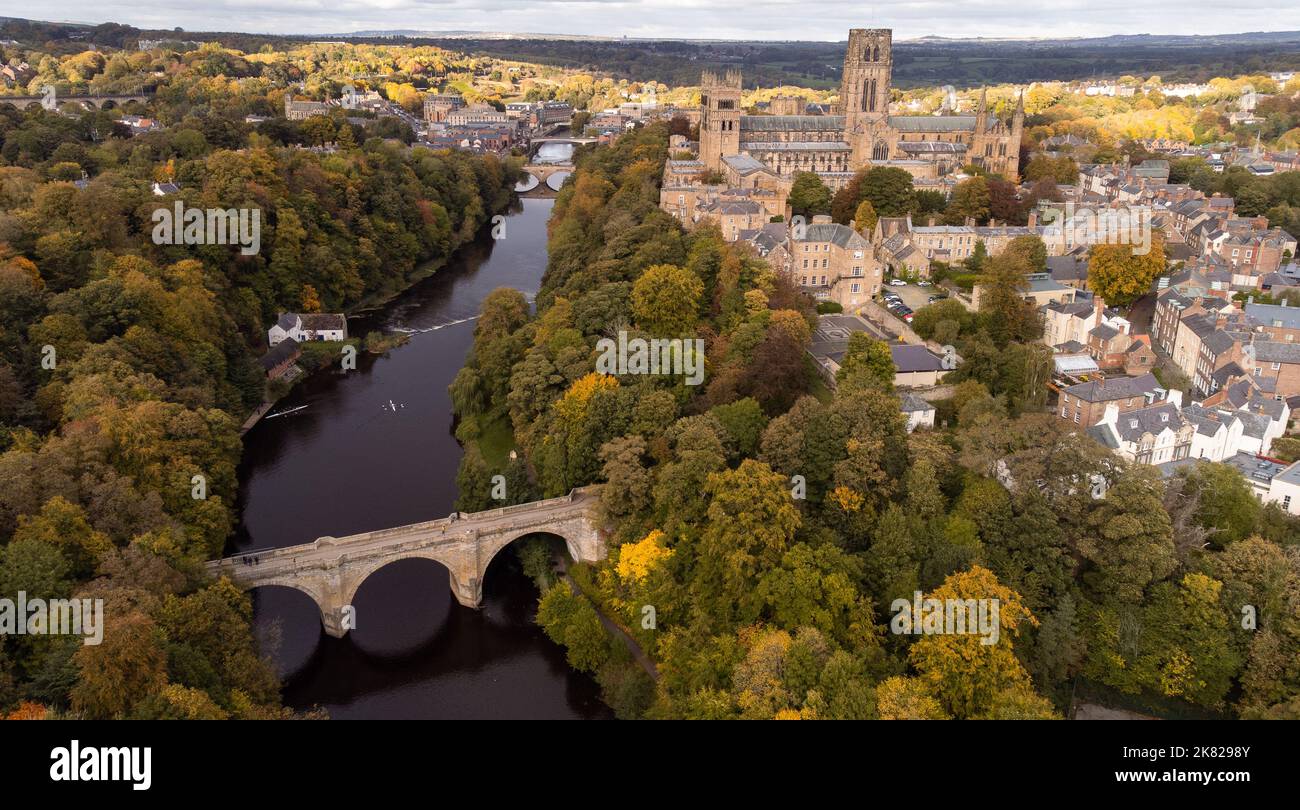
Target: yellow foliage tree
965	673
637	560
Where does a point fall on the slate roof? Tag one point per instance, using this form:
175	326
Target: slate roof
911	402
1103	435
835	233
931	123
286	349
1275	351
1067	268
909	359
1078	309
1218	342
1274	315
1114	388
1104	332
1153	419
744	164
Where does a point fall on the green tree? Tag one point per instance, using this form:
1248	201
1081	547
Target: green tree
666	300
809	195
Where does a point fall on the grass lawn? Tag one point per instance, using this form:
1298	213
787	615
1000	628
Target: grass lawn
497	439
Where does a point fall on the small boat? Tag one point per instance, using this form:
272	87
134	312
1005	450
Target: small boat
284	413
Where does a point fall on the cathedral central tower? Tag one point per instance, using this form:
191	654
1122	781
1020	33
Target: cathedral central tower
864	92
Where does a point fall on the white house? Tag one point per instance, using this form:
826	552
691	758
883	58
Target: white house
1155	434
1284	489
917	411
307	326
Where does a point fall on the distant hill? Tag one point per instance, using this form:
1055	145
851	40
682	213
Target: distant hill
924	61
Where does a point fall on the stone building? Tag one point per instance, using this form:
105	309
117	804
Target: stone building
438	107
864	134
302	110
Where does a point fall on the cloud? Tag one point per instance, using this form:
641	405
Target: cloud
699	19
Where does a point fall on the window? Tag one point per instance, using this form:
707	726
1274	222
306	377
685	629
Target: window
1277	366
1286	503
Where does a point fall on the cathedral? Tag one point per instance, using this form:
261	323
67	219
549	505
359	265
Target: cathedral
863	134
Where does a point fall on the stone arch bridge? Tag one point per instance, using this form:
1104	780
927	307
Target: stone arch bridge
331	569
87	101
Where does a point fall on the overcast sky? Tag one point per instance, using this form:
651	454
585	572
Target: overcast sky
694	19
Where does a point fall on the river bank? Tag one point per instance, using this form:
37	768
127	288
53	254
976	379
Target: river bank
352	463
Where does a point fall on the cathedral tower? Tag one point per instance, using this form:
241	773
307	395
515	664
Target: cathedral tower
719	117
864	93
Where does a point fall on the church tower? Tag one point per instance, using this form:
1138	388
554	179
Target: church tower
864	93
719	117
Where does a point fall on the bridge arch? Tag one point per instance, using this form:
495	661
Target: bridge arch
331	570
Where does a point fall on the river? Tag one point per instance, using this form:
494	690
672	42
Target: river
373	449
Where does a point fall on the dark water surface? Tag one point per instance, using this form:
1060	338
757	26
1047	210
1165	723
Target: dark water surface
350	463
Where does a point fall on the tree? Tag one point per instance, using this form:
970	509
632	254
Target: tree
666	300
970	201
1127	536
128	666
964	673
867	363
1003	308
1032	249
809	195
1119	275
889	190
864	218
627	488
750	523
900	698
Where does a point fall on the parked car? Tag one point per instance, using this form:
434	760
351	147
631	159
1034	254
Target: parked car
933	298
923	283
907	316
897	282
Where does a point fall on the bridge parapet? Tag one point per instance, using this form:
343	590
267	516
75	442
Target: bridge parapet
331	569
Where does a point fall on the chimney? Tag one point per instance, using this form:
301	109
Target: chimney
1033	218
1111	416
930	222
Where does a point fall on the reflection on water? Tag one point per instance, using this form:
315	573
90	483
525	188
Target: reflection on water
554	153
374	448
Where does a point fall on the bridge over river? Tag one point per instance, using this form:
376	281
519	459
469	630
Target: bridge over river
87	101
331	569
